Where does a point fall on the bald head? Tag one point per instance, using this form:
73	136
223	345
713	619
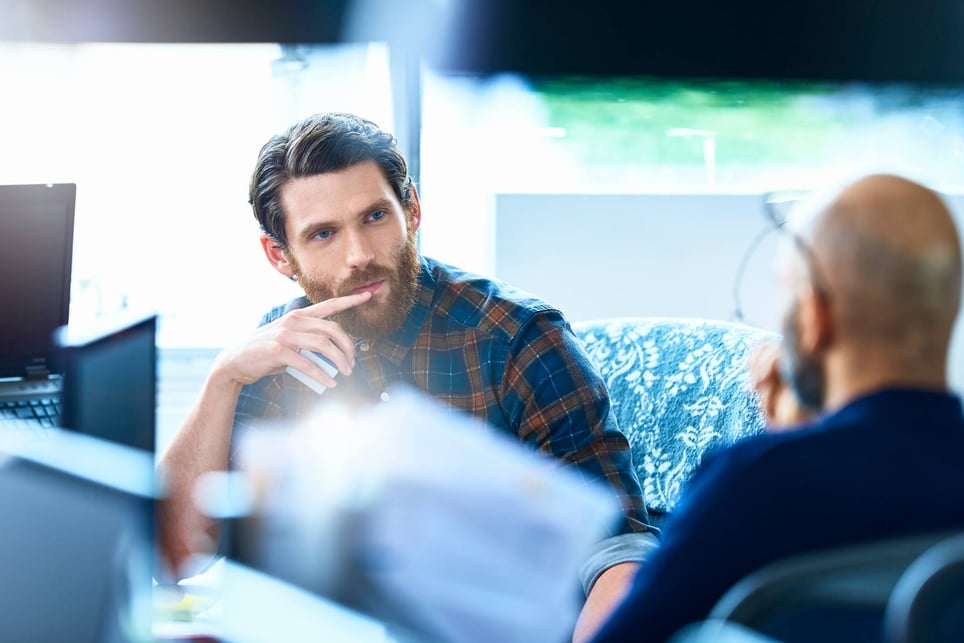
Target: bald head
889	252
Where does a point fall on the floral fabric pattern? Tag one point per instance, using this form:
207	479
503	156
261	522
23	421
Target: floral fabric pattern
679	388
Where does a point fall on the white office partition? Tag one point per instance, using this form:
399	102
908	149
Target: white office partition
611	255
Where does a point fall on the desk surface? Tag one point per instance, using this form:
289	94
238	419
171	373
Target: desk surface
61	483
237	604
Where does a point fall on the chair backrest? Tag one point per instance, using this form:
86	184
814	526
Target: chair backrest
678	388
838	594
927	604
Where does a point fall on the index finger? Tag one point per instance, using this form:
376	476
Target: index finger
334	305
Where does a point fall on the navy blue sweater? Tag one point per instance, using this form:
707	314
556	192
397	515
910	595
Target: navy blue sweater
888	464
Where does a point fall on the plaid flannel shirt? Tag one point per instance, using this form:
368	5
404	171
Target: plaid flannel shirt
501	355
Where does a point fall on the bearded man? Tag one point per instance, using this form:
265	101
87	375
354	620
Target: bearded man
339	215
866	440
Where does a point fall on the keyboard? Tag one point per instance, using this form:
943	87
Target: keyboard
30	407
43	412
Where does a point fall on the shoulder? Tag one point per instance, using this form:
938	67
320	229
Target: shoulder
485	304
760	464
874	419
769	463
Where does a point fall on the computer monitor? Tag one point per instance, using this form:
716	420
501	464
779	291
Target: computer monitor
37	229
110	379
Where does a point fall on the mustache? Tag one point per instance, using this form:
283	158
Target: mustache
366	276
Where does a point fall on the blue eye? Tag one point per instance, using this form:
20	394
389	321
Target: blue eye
324	234
375	216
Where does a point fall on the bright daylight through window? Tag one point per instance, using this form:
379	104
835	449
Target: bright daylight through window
161	140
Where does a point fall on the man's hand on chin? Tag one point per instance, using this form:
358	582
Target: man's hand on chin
606	594
777	400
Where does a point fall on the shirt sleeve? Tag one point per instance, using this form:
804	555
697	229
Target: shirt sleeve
622	548
557	401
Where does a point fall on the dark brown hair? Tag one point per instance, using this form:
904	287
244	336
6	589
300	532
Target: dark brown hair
321	143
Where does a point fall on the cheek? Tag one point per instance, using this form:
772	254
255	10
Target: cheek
318	273
785	313
390	243
785	302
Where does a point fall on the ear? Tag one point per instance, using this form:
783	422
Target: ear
276	255
816	322
414	212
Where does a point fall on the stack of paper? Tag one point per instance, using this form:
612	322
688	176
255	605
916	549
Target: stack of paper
442	527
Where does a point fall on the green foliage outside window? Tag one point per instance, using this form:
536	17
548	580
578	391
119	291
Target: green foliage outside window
757	125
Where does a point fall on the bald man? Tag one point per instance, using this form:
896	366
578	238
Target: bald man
872	285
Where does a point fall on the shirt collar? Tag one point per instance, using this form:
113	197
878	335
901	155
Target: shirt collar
899	404
395	347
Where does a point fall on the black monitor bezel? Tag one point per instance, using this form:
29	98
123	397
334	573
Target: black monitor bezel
20	362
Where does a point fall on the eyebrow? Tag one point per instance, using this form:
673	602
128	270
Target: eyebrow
312	228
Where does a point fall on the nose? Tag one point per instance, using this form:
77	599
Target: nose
359	252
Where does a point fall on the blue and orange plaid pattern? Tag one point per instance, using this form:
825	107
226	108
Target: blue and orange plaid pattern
490	350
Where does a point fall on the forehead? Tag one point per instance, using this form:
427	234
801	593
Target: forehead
334	195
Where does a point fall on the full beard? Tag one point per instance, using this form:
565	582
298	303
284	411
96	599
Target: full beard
804	373
374	320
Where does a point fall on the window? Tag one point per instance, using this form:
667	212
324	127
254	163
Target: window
511	134
161	141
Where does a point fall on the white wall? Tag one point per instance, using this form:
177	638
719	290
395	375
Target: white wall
613	255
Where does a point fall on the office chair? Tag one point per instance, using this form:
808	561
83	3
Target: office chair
839	594
927	604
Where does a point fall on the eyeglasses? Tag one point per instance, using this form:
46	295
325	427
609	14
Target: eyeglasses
777	208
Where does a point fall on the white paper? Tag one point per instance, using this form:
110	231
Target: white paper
429	519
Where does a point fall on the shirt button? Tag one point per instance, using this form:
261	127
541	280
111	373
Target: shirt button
364	346
384	396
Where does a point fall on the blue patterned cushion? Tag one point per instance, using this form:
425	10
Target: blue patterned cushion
678	388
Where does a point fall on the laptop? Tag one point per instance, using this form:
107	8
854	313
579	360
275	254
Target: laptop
37	229
78	561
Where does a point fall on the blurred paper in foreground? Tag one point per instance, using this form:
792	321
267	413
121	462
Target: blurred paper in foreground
424	518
